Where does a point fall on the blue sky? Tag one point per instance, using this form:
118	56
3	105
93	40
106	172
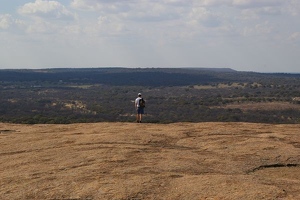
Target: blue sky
245	35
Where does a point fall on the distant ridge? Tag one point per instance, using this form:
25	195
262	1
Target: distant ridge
213	69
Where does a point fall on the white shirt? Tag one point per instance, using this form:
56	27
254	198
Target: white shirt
137	102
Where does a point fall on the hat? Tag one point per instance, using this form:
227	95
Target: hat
139	94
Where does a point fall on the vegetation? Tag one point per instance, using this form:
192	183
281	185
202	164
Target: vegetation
172	95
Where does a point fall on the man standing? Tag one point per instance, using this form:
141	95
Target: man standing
139	105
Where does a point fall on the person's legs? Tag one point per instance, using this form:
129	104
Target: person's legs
140	112
138	115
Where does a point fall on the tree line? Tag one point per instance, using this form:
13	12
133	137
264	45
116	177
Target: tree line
181	95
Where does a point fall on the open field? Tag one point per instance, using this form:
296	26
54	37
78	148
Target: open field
263	106
129	161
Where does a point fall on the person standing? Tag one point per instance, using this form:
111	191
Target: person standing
139	105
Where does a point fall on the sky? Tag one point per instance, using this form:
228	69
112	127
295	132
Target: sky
245	35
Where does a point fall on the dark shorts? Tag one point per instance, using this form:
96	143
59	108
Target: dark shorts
140	110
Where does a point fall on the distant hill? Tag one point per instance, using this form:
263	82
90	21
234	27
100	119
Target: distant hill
115	76
135	76
213	69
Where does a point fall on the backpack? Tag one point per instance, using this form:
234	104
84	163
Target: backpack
142	103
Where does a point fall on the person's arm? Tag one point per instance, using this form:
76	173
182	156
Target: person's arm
135	104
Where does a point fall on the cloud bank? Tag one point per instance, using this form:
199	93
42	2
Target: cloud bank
242	34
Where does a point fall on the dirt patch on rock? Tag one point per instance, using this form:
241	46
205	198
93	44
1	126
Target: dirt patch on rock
150	161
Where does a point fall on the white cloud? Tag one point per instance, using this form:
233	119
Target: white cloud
98	5
243	4
202	16
270	11
42	26
256	3
261	29
295	36
140	19
211	3
5	21
258	13
46	9
109	25
85	5
71	30
249	14
139	11
293	7
45	17
116	5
